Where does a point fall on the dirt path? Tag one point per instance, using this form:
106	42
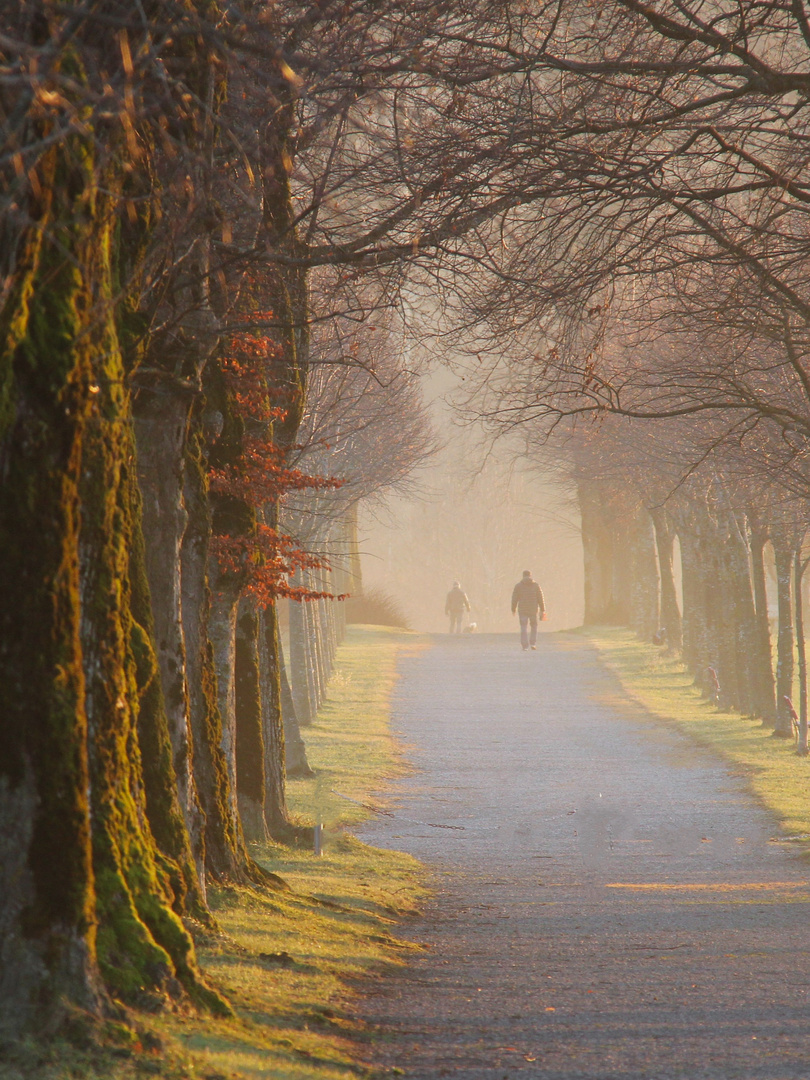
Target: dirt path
613	906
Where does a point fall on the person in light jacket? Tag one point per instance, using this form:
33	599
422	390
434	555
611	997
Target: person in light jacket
455	605
527	600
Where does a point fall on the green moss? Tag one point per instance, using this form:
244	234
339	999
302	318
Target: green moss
131	962
43	412
144	944
224	848
160	784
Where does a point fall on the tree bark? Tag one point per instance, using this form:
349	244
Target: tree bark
696	635
275	746
47	892
299	675
764	686
644	580
296	753
161	431
222	634
142	945
249	750
223	853
742	613
670	612
801	654
597	548
783	555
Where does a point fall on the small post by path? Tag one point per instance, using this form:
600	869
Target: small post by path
319	839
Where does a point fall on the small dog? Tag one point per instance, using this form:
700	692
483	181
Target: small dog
471	628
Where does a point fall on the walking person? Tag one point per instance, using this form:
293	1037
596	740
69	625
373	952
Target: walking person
527	600
455	605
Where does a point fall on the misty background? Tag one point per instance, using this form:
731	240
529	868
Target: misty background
475	513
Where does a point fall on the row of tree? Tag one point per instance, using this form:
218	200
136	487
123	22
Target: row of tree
202	206
164	387
740	541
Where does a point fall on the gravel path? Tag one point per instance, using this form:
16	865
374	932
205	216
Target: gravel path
613	905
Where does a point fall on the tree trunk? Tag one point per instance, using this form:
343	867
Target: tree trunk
597	548
223	852
296	753
47	895
670	612
84	885
783	555
742	614
317	645
222	634
644	582
299	675
696	635
164	808
142	945
161	428
354	584
275	752
310	651
249	752
764	687
801	655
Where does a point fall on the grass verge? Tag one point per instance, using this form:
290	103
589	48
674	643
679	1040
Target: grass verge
776	775
282	958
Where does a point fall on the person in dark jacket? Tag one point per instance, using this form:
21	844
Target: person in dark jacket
455	605
527	600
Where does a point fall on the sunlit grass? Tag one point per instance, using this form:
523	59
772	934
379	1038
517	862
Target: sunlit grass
777	776
285	960
350	744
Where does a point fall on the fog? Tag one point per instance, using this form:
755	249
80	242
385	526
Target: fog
479	516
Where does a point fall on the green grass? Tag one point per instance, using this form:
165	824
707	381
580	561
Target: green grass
776	775
283	959
350	744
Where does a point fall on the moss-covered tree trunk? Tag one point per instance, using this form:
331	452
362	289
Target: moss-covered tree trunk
161	788
141	942
223	844
161	427
90	890
47	892
719	646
